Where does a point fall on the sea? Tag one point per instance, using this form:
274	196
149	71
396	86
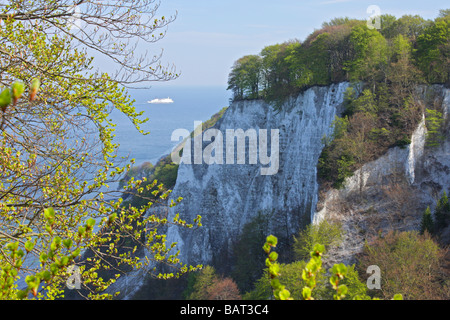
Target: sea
189	104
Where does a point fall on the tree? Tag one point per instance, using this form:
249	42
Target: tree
278	74
402	75
111	30
433	47
204	280
247	257
442	211
244	79
303	280
408	26
57	214
410	264
224	289
325	233
426	225
210	286
370	62
434	121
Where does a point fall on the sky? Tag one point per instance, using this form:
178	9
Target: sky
208	36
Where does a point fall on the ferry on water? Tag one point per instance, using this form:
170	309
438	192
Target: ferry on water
165	101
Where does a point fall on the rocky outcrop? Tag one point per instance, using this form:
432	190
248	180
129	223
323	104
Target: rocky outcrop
228	196
391	192
388	193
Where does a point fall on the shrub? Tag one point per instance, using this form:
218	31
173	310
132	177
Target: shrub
410	263
207	285
325	233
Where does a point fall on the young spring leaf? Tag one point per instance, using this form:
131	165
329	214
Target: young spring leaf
5	99
273	256
49	215
90	223
67	243
272	240
35	84
306	293
17	89
29	246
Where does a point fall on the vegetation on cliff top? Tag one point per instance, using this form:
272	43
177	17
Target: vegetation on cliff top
384	68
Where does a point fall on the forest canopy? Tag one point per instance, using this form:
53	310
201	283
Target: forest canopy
347	49
383	67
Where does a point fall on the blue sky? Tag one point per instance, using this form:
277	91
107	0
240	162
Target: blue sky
209	35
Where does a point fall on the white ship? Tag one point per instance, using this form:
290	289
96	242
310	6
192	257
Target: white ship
165	101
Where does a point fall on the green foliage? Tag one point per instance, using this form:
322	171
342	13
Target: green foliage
434	121
410	263
57	156
308	280
346	50
273	270
389	63
432	47
426	225
442	212
245	77
370	55
248	260
324	233
202	281
207	285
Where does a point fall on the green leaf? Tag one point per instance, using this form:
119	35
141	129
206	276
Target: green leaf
46	275
318	250
274	270
17	89
12	246
334	280
21	294
284	294
266	248
49	214
273	256
67	243
306	293
275	283
81	231
64	261
90	223
5	98
272	241
29	246
43	257
112	218
342	290
76	253
340	270
35	84
55	243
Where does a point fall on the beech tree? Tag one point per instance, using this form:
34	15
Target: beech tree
244	79
57	154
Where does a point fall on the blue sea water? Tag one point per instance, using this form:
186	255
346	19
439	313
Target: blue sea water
190	104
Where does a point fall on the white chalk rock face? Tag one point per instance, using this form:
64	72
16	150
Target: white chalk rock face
228	196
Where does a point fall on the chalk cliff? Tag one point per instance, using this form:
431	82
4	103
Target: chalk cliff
228	196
